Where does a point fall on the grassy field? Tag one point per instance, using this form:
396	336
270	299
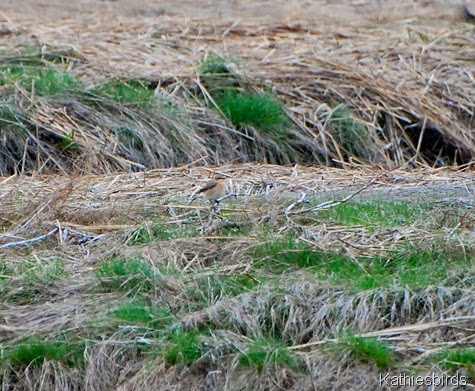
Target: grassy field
126	285
142	89
345	132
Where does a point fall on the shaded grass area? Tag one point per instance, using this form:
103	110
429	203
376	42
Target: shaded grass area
129	93
350	133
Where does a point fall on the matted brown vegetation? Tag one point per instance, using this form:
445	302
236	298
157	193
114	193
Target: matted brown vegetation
307	277
216	278
382	89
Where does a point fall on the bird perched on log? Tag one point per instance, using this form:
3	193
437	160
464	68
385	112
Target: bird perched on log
213	190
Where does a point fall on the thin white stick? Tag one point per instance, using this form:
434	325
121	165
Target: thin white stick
30	241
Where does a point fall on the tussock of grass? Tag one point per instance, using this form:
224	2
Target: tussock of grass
369	350
34	352
243	107
125	275
213	64
246	108
186	348
263	352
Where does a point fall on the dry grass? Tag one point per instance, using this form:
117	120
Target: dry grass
200	299
311	277
404	86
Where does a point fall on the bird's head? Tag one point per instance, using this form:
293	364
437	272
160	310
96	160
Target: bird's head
219	178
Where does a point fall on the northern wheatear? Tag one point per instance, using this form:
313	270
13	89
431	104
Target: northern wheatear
213	190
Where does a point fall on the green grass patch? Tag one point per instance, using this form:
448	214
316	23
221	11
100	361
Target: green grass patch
157	232
144	315
369	350
246	108
131	93
186	348
118	274
24	282
281	254
241	106
35	352
68	144
371	214
51	82
454	360
414	268
47	273
39	80
37	271
6	271
263	352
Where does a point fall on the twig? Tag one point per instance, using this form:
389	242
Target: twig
302	200
331	204
395	330
29	241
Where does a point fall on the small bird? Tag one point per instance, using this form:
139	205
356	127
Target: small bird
213	190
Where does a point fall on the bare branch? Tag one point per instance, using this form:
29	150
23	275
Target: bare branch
29	241
330	204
